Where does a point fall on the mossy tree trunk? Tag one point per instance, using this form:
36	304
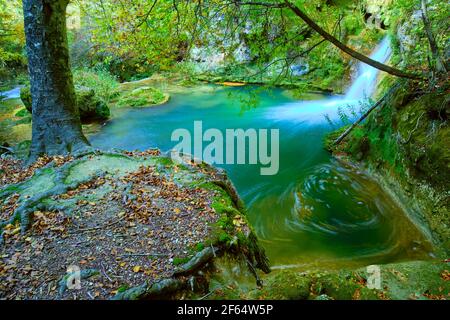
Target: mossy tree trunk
56	127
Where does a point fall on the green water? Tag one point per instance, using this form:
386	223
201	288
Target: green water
315	210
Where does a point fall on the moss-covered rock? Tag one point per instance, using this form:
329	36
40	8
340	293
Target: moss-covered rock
397	281
25	96
143	97
90	106
287	285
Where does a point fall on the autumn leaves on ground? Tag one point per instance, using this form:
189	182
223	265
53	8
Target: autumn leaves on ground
125	219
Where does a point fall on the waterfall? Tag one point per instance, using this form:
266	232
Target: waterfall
362	87
364	84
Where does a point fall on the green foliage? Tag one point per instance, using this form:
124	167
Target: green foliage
102	82
12	40
199	247
329	65
22	113
330	138
138	38
353	24
179	261
405	16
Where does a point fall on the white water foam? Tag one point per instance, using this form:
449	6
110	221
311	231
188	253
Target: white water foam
361	88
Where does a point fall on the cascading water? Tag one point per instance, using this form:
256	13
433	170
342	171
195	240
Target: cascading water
364	84
361	88
315	210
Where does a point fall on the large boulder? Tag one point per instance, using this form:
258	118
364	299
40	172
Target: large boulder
90	106
143	97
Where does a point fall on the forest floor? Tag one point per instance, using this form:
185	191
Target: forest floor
122	228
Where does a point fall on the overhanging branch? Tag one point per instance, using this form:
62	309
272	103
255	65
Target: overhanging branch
348	50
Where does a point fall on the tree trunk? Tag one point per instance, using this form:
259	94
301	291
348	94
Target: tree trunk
438	64
56	127
348	50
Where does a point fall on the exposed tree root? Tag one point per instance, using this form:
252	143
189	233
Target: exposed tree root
24	212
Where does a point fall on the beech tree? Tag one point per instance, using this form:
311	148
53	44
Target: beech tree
56	127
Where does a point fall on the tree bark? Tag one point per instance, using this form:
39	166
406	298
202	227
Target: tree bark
348	50
56	126
438	64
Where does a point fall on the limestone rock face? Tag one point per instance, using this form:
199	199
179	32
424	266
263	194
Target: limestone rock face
406	36
375	13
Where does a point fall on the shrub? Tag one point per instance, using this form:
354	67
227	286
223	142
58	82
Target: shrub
102	82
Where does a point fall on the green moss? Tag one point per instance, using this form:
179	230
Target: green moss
25	96
199	247
224	229
399	281
91	107
179	261
415	279
112	164
141	97
22	113
344	285
402	137
286	285
123	288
